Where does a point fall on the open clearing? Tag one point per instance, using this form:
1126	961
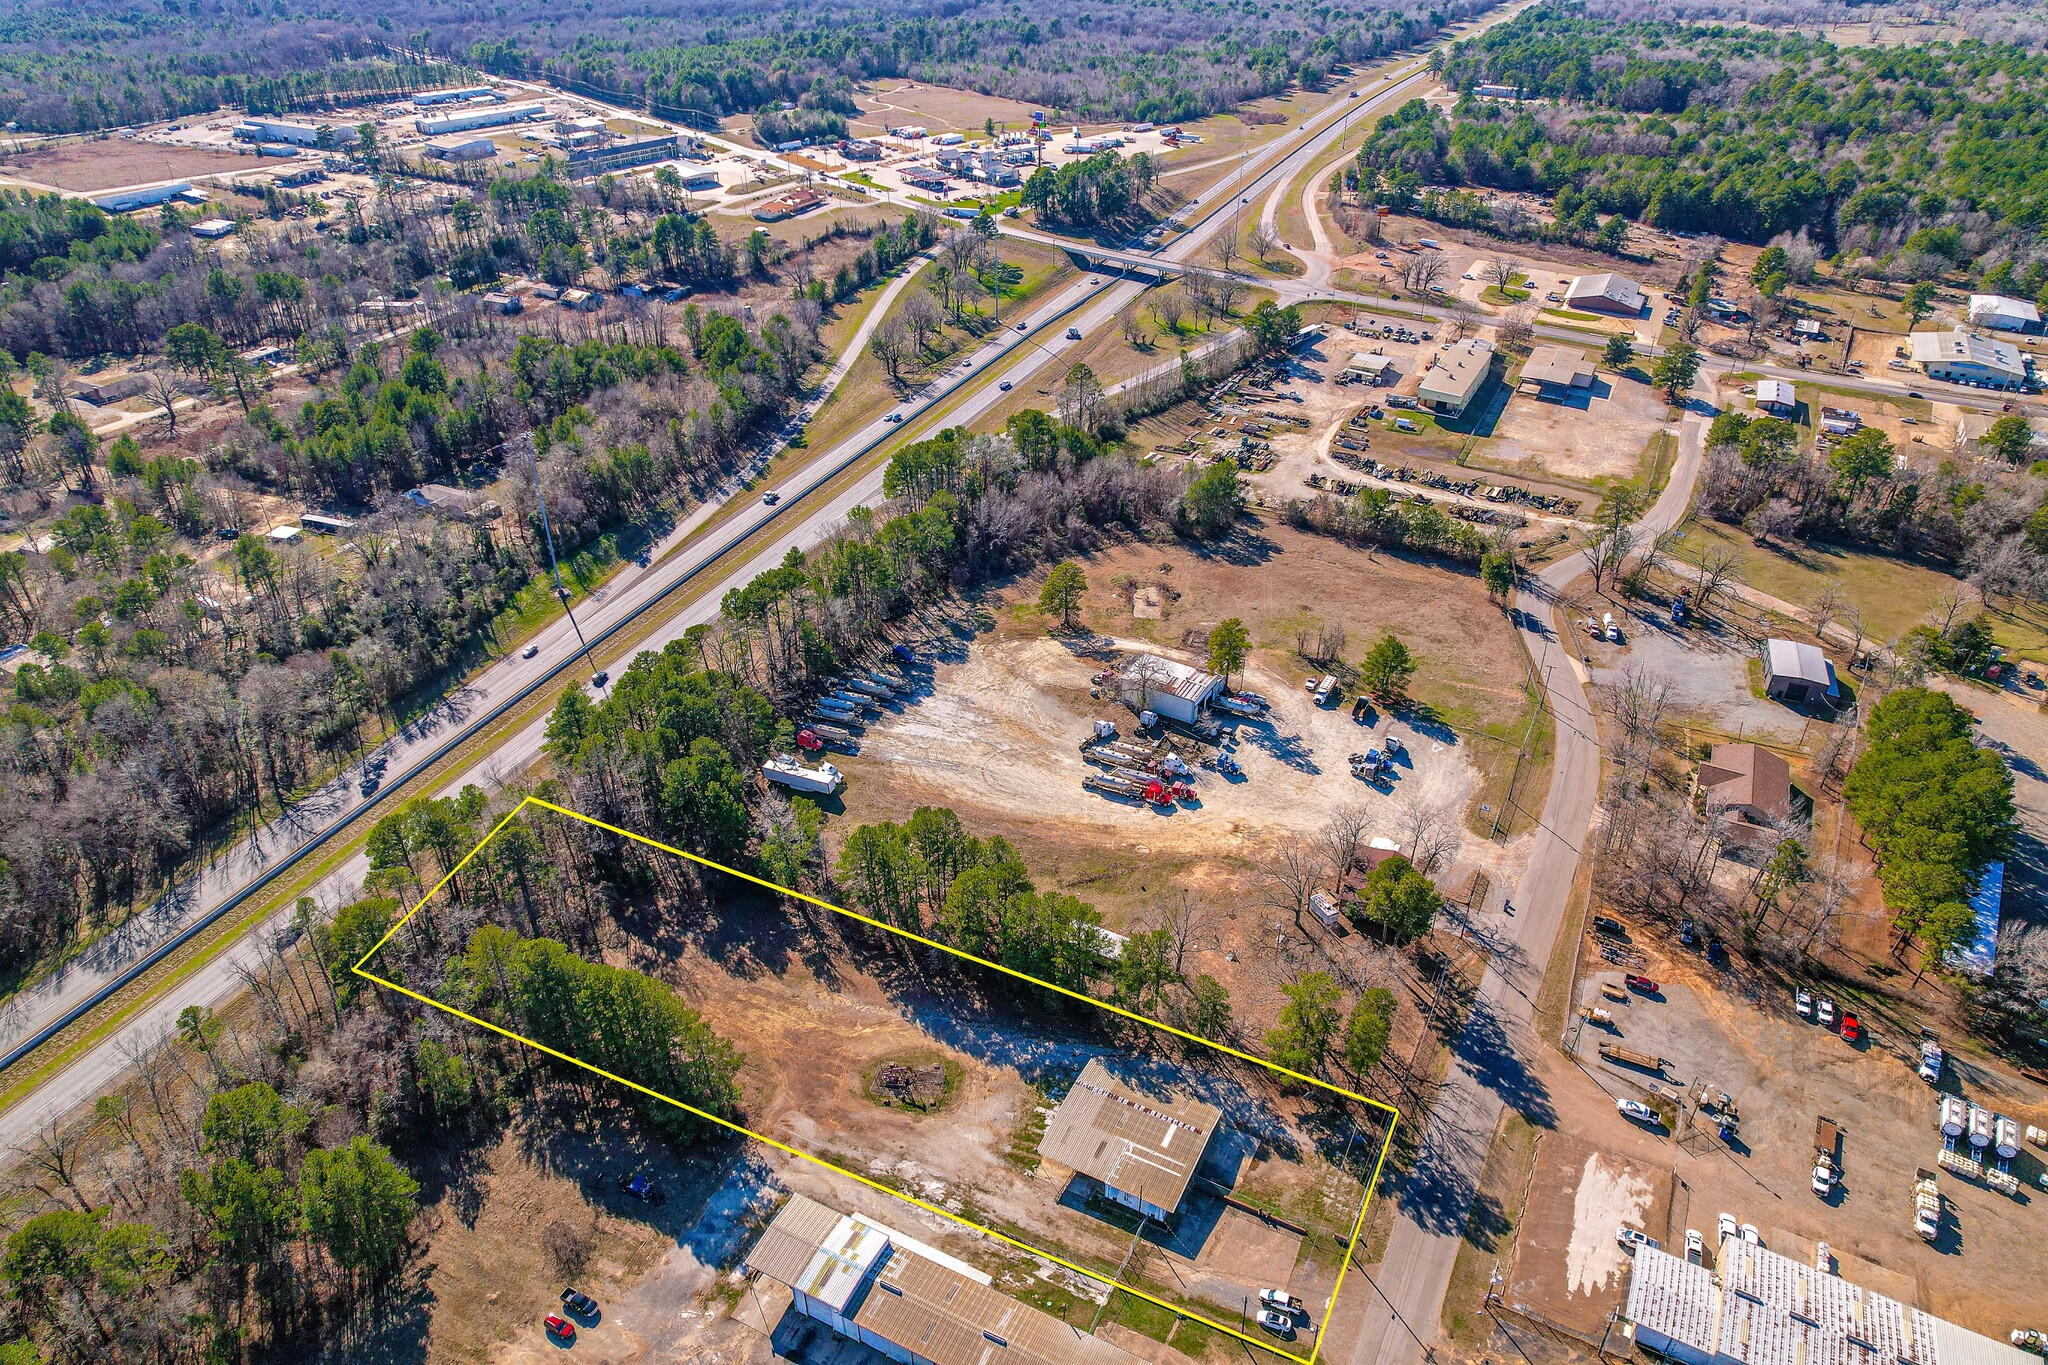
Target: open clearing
1741	1035
940	108
1597	434
817	1003
998	735
110	163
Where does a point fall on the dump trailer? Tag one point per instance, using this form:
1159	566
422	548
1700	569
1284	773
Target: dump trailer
868	687
1926	1205
855	700
832	734
1628	1056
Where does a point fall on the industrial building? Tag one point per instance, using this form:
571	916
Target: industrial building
1756	1307
1963	357
1615	294
277	130
462	149
1143	1146
644	151
1798	672
1554	372
906	1300
492	117
213	228
1172	689
428	99
1456	376
127	201
1367	367
2003	313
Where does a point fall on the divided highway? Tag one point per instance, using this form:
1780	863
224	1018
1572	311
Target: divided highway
685	559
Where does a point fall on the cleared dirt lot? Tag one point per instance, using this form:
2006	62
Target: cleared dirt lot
997	735
1596	434
111	163
1567	1259
785	987
937	107
1721	1029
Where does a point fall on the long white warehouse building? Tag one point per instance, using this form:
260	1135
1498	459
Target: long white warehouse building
489	117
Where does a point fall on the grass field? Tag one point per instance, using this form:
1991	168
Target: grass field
1893	595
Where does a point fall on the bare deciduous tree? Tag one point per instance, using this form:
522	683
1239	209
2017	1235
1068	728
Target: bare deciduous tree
1262	240
1287	875
1827	605
1518	329
1712	575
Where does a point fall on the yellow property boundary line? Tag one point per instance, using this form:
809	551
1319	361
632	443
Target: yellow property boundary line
1357	1225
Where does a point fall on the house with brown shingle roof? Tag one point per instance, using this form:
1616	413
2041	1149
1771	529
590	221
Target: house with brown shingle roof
1751	783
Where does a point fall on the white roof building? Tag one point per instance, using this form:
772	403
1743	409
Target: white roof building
2004	313
1759	1308
1963	357
213	227
1798	672
1776	395
1175	690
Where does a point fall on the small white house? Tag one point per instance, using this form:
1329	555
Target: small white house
1776	396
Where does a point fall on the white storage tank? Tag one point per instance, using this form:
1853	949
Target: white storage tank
1980	1126
1955	1117
2005	1139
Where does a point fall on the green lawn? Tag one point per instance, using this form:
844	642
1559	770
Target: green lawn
1893	595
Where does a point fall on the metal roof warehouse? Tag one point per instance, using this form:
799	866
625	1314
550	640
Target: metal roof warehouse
1144	1147
1759	1308
907	1300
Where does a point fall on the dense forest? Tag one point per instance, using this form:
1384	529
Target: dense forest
1744	133
181	688
69	67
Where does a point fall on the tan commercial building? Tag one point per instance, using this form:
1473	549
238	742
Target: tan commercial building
1455	378
1143	1146
1553	372
906	1300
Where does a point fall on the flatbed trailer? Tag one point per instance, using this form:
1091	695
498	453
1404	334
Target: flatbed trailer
1628	1056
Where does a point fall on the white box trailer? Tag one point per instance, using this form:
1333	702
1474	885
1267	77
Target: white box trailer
787	770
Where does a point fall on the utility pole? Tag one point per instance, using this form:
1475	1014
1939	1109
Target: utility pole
540	499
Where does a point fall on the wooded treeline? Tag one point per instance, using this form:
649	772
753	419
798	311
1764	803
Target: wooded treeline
1747	133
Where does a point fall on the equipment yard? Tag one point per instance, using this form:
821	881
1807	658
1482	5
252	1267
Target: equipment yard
998	735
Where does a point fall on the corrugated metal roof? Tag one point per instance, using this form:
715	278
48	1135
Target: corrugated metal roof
950	1320
1142	1143
1760	1308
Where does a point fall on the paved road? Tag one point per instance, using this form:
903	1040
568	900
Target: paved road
1489	1067
684	554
